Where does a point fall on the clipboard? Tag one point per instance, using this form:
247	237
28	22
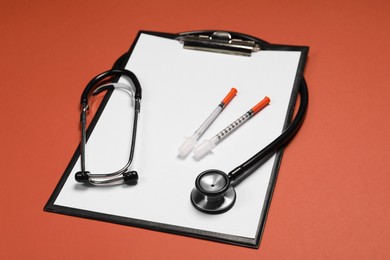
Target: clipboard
183	76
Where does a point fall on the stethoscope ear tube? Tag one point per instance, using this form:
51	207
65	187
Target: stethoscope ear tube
122	175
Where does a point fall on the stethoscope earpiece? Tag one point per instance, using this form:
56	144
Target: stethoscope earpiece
82	176
213	192
130	178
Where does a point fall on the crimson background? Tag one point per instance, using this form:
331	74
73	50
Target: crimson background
332	197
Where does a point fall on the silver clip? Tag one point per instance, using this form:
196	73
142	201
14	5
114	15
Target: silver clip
220	42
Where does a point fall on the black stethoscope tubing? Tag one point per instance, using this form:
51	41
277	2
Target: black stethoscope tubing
282	140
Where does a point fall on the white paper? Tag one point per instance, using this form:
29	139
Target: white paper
180	89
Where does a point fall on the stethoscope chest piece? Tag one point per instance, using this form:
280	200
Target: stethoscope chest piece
213	192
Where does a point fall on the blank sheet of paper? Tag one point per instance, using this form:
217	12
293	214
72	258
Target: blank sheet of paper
180	89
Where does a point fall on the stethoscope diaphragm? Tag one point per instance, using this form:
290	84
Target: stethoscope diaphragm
213	192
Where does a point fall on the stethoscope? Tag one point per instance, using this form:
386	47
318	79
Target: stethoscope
94	87
214	190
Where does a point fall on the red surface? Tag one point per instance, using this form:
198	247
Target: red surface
332	196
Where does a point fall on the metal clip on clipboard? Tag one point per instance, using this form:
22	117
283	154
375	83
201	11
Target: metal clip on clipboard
220	42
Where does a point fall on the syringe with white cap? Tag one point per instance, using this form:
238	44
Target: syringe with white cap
207	145
190	142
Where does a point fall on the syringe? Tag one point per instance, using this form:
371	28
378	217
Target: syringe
190	142
207	145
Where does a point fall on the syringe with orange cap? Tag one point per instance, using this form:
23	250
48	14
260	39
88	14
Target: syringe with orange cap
207	145
190	142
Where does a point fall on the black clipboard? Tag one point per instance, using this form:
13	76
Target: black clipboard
196	45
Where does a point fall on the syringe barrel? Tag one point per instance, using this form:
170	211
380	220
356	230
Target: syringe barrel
203	127
230	128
